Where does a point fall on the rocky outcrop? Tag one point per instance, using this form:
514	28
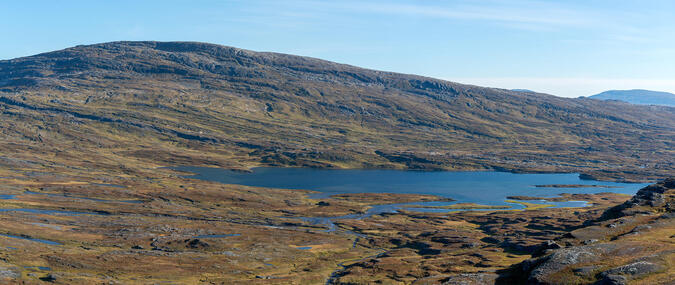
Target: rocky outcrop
635	269
9	273
471	279
540	269
650	199
629	243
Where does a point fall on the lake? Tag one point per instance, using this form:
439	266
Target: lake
486	187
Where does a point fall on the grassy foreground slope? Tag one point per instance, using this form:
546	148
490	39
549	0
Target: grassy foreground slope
631	243
127	106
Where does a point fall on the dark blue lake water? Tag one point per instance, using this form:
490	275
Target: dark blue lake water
490	188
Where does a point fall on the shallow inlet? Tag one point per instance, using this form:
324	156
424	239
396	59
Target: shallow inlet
43	268
49	242
109	185
51	212
84	198
218	236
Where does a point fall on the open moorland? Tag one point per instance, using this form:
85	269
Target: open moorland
81	230
86	135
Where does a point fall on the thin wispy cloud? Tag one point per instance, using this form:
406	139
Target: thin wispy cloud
521	12
539	14
524	15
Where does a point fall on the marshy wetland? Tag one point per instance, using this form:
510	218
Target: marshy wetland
285	225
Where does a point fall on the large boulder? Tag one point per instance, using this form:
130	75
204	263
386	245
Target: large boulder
635	269
541	269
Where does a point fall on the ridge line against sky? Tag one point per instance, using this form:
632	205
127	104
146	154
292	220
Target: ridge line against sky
571	48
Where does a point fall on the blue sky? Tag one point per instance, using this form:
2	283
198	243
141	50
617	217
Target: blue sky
566	48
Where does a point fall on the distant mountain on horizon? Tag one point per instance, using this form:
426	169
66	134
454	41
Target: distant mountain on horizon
638	96
523	90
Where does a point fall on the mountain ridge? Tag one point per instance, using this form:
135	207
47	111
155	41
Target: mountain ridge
237	108
214	49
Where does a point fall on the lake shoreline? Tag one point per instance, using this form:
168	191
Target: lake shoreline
336	183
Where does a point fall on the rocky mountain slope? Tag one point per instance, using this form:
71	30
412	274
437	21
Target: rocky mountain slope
638	96
630	243
123	104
